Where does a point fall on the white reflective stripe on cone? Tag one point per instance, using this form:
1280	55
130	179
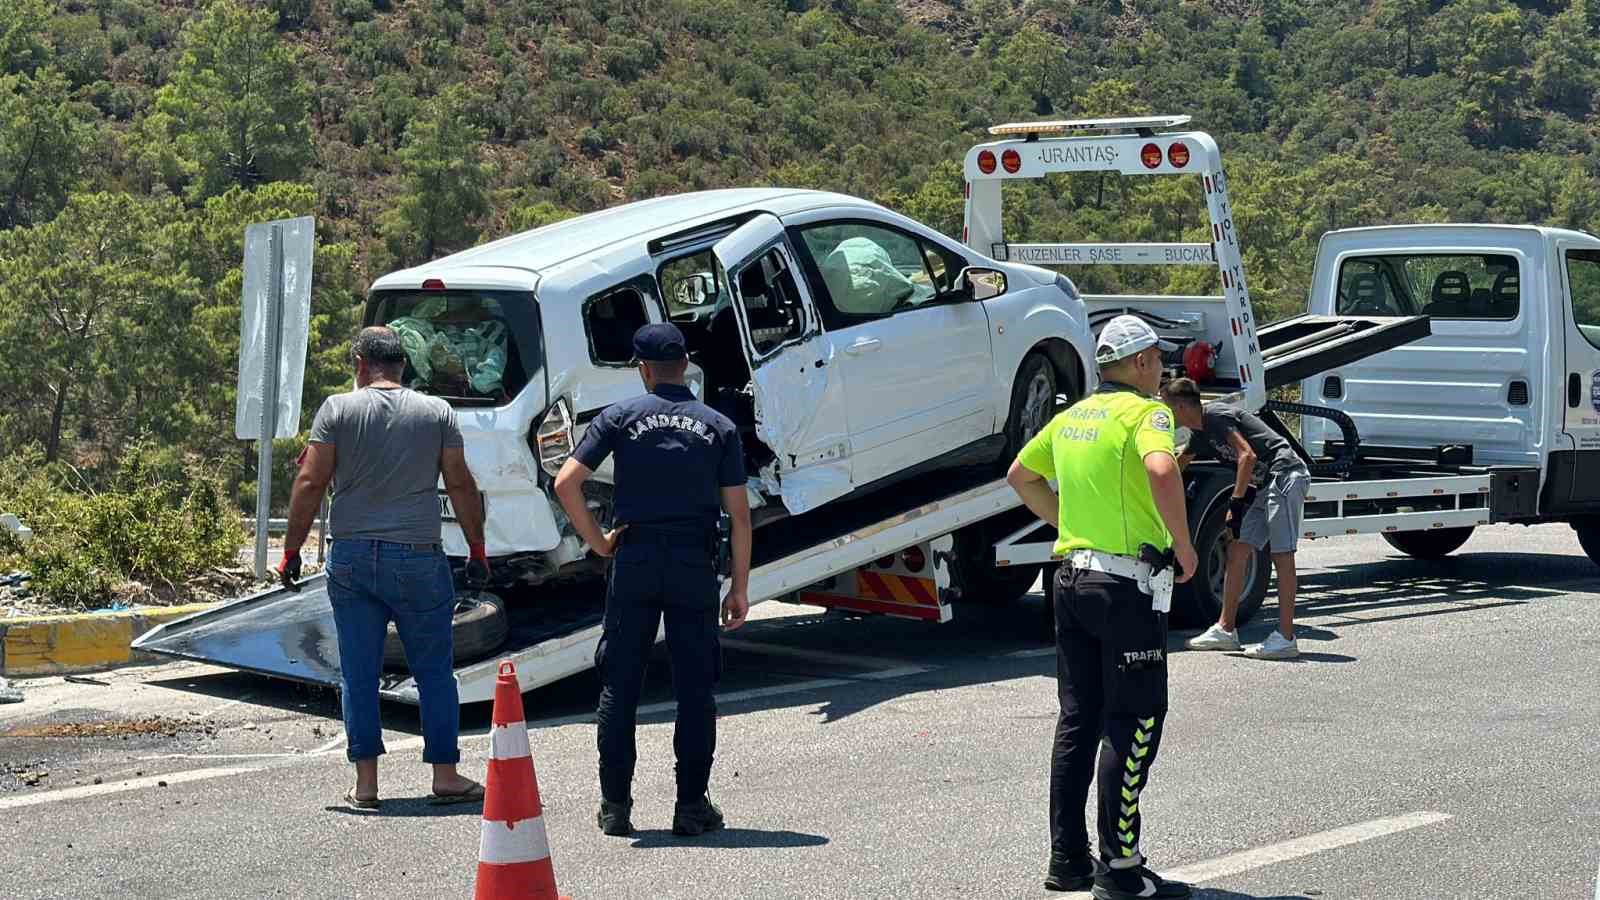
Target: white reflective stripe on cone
503	845
510	741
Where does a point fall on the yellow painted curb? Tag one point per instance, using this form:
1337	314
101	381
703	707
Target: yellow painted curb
80	642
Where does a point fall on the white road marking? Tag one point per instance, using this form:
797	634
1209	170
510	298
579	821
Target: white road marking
329	746
822	656
132	784
1245	860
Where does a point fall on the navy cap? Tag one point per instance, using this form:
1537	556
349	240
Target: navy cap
659	342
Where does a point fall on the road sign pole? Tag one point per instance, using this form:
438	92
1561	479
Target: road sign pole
269	398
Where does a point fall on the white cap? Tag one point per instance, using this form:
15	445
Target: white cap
1124	336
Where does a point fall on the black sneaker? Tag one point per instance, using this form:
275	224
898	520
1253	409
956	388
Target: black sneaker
613	818
695	817
1072	875
1136	884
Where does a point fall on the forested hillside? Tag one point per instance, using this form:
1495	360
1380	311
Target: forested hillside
138	137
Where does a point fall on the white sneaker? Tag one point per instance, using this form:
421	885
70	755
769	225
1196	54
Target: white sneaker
1276	646
1214	638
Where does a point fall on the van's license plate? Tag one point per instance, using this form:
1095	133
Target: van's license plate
447	510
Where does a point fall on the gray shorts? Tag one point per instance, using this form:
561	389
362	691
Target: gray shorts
1278	512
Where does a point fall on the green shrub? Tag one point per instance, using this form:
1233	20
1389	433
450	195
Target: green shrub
145	522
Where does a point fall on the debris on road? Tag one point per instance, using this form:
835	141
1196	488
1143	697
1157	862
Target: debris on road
84	679
9	694
154	725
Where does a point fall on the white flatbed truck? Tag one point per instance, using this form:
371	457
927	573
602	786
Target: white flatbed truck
968	537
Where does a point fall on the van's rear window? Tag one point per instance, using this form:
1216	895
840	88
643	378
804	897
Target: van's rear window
1444	286
472	348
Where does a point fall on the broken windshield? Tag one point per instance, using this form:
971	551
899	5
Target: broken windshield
472	348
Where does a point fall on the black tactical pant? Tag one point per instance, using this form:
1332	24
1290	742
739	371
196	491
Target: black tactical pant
658	575
1111	663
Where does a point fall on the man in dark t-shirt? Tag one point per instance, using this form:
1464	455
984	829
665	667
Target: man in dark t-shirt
1268	504
678	466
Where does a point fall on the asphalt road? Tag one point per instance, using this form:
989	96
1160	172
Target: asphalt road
1438	739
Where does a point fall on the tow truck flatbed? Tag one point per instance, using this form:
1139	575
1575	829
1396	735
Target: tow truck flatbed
291	635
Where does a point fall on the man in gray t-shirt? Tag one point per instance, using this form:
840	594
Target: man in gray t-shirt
383	448
1269	495
388	490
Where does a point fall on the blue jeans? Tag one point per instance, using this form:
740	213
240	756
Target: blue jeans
370	583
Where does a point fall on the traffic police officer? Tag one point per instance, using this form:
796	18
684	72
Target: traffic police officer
678	463
1120	522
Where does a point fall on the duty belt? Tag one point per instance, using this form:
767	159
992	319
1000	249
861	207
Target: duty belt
1157	584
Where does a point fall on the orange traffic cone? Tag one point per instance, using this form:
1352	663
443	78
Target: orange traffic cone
514	853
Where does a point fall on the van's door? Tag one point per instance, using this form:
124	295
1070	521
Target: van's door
799	389
1575	472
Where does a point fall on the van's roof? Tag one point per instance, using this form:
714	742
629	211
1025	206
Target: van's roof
1436	227
514	262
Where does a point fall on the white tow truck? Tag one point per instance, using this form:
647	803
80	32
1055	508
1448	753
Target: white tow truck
912	549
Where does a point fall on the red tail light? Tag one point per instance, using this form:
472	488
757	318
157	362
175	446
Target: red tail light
1150	155
986	162
433	284
1012	160
1178	154
885	562
914	559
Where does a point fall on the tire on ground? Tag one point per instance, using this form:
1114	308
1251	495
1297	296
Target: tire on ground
1198	602
1435	544
479	627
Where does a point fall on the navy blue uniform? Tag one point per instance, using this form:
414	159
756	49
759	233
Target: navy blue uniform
673	456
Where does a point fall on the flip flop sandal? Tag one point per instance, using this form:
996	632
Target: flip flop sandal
355	802
469	795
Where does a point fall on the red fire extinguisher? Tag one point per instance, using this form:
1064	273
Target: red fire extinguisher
1200	361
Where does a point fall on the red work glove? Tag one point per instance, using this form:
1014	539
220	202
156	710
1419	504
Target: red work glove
289	570
477	571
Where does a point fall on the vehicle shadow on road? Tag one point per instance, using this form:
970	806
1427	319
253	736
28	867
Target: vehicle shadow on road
409	808
733	838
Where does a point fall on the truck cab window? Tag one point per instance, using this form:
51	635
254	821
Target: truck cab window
1444	286
611	319
1583	278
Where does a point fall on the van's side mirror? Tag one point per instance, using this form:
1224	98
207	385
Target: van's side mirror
697	289
981	284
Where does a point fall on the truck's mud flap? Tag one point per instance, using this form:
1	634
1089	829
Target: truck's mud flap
277	632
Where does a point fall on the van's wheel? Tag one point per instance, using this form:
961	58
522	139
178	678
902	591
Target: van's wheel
972	568
478	628
1033	402
1435	544
1198	602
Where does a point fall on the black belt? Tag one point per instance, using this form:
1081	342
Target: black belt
415	548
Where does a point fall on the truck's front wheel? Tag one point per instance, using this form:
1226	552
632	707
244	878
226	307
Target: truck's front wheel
1198	602
1435	544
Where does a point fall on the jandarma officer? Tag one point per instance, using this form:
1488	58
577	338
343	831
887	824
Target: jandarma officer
1121	499
678	463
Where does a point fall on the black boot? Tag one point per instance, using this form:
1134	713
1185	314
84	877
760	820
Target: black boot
1071	875
1136	883
614	818
696	817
